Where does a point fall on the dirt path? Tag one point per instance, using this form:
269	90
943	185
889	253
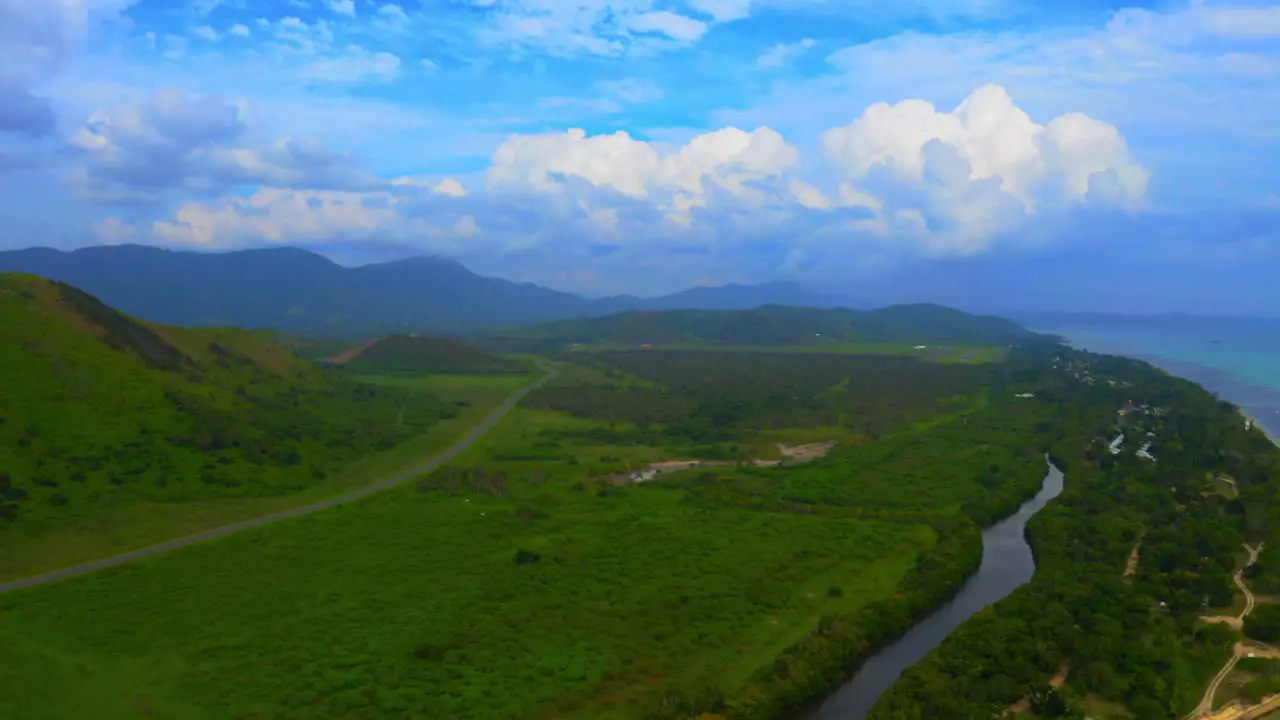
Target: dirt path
1132	566
1206	703
466	442
350	354
792	454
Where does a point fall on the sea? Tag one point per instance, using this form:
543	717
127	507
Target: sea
1238	358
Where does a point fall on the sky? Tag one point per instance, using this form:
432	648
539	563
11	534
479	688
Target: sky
995	154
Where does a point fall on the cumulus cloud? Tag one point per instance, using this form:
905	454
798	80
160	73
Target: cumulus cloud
910	180
284	215
975	171
730	161
171	141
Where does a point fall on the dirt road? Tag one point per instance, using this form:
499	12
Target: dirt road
1206	703
471	437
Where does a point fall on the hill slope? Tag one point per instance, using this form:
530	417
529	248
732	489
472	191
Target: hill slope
97	408
416	353
771	325
302	292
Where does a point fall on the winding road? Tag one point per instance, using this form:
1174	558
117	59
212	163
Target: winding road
457	449
1206	703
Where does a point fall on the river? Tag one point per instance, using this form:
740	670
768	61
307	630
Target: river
1006	564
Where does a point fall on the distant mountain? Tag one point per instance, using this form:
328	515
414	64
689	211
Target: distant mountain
767	326
301	292
728	297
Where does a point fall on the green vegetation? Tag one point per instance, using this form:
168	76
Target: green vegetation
1263	623
530	578
769	326
519	582
1135	646
115	432
708	398
400	354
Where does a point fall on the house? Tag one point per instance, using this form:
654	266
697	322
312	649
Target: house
1025	395
1115	444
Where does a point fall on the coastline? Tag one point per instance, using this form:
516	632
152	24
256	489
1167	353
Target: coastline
1256	402
1253	423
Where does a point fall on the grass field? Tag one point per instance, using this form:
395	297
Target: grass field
515	583
548	597
411	604
97	531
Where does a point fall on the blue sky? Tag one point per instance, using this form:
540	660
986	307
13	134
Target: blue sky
987	153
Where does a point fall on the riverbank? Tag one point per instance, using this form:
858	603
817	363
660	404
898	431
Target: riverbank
1006	564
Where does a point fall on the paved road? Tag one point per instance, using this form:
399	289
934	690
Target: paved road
1206	703
366	491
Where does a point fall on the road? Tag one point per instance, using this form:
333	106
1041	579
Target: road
457	449
1206	703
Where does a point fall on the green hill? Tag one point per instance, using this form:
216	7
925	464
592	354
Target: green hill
771	325
417	353
98	409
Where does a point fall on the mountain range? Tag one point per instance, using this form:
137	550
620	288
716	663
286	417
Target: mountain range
769	325
302	292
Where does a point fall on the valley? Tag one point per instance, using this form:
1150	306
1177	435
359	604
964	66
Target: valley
719	525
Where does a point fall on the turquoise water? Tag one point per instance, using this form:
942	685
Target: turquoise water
1238	359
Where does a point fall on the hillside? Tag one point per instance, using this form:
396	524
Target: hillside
304	293
421	354
769	326
98	409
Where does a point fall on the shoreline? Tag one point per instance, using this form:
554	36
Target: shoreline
1254	424
1241	393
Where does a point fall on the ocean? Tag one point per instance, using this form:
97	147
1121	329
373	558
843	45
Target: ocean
1238	358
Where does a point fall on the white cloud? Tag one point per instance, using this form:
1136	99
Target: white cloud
676	27
783	53
595	27
170	142
978	170
1241	22
205	32
343	7
286	216
630	90
429	64
730	161
808	195
722	10
356	64
239	30
448	186
391	18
